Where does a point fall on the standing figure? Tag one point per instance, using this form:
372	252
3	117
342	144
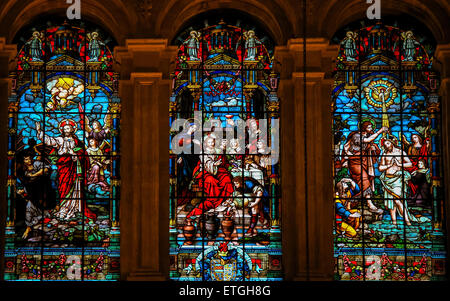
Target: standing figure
253	135
409	46
186	162
213	177
392	166
416	151
35	45
235	147
94	50
36	189
262	159
349	44
72	163
97	131
222	149
251	45
193	45
360	154
98	164
259	204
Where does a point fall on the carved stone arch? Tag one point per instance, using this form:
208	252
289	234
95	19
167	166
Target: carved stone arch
276	20
336	14
16	15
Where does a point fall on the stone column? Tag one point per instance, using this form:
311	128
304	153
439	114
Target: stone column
145	88
443	64
7	64
306	177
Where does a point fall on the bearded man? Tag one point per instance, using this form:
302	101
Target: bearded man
360	154
72	165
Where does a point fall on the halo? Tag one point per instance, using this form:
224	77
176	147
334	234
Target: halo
192	121
365	119
390	138
70	122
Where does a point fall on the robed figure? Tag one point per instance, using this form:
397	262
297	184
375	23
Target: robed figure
213	178
72	165
360	154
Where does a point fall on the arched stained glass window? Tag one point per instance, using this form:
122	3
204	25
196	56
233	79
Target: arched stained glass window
63	157
224	185
387	160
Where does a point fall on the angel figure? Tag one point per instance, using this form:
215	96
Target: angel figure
417	148
409	46
94	50
35	46
349	44
193	45
98	132
251	44
417	151
98	164
64	93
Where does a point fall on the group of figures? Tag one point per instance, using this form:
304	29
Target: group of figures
36	46
227	176
62	167
224	194
403	173
249	42
409	46
388	196
63	172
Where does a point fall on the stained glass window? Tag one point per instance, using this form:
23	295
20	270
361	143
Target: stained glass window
63	157
387	157
224	186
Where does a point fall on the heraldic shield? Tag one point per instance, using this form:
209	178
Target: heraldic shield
222	270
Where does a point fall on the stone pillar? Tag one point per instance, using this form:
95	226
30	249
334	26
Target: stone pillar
443	64
145	88
7	64
306	177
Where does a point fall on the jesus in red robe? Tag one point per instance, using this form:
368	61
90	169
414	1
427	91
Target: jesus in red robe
71	166
213	177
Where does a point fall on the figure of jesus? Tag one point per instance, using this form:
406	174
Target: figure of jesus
213	177
392	165
72	165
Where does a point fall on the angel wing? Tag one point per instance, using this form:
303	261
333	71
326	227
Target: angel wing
87	123
108	122
372	92
405	143
388	91
105	146
89	36
426	132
